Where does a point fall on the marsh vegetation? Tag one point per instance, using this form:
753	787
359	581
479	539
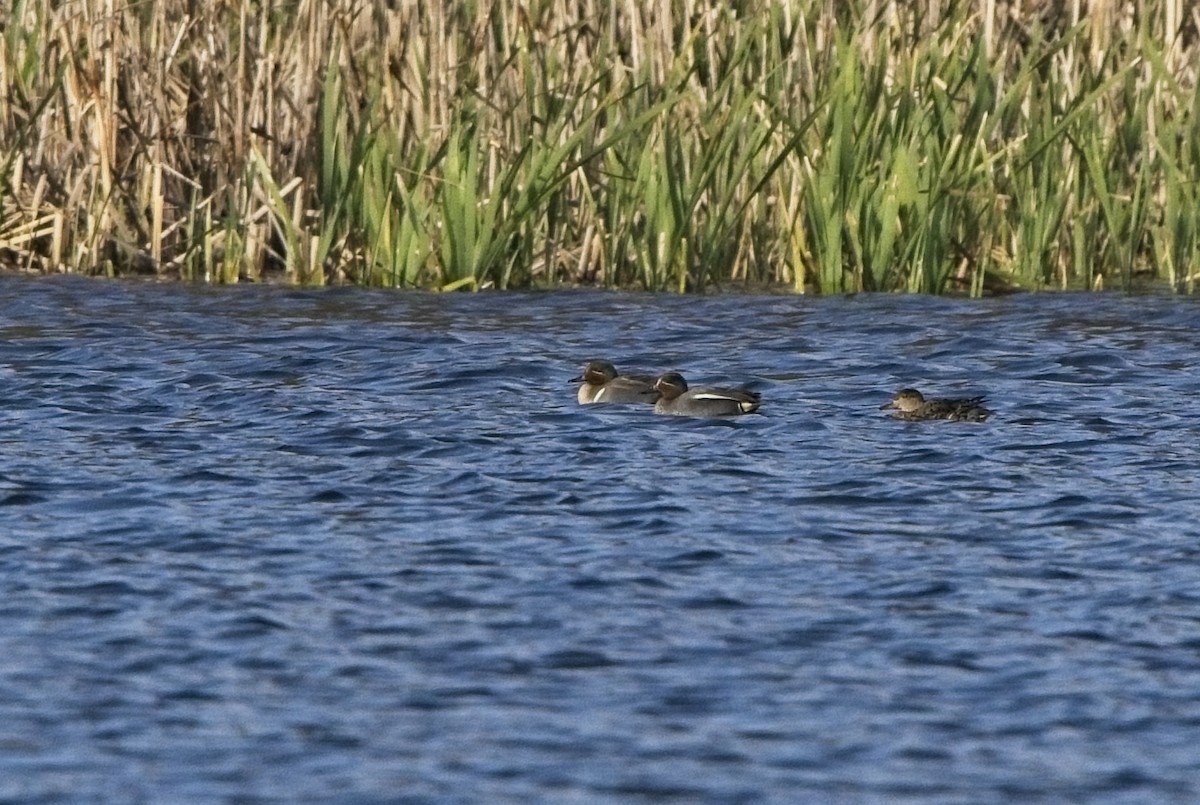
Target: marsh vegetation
950	147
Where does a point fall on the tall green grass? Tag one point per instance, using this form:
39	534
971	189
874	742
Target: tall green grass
859	146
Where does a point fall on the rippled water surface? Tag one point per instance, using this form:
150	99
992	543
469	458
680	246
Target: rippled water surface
275	545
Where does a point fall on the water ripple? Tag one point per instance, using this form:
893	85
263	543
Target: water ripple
282	545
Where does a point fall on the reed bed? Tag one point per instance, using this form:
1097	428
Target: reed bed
836	146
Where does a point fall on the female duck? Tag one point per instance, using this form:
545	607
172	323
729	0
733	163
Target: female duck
911	404
602	384
678	399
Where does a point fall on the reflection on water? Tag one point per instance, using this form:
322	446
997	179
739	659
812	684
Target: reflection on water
285	545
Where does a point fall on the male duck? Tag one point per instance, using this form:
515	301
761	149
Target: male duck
602	384
911	404
678	399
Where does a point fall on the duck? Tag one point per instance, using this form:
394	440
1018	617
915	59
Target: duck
600	383
676	398
911	404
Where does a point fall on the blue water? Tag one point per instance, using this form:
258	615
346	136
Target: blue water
270	545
